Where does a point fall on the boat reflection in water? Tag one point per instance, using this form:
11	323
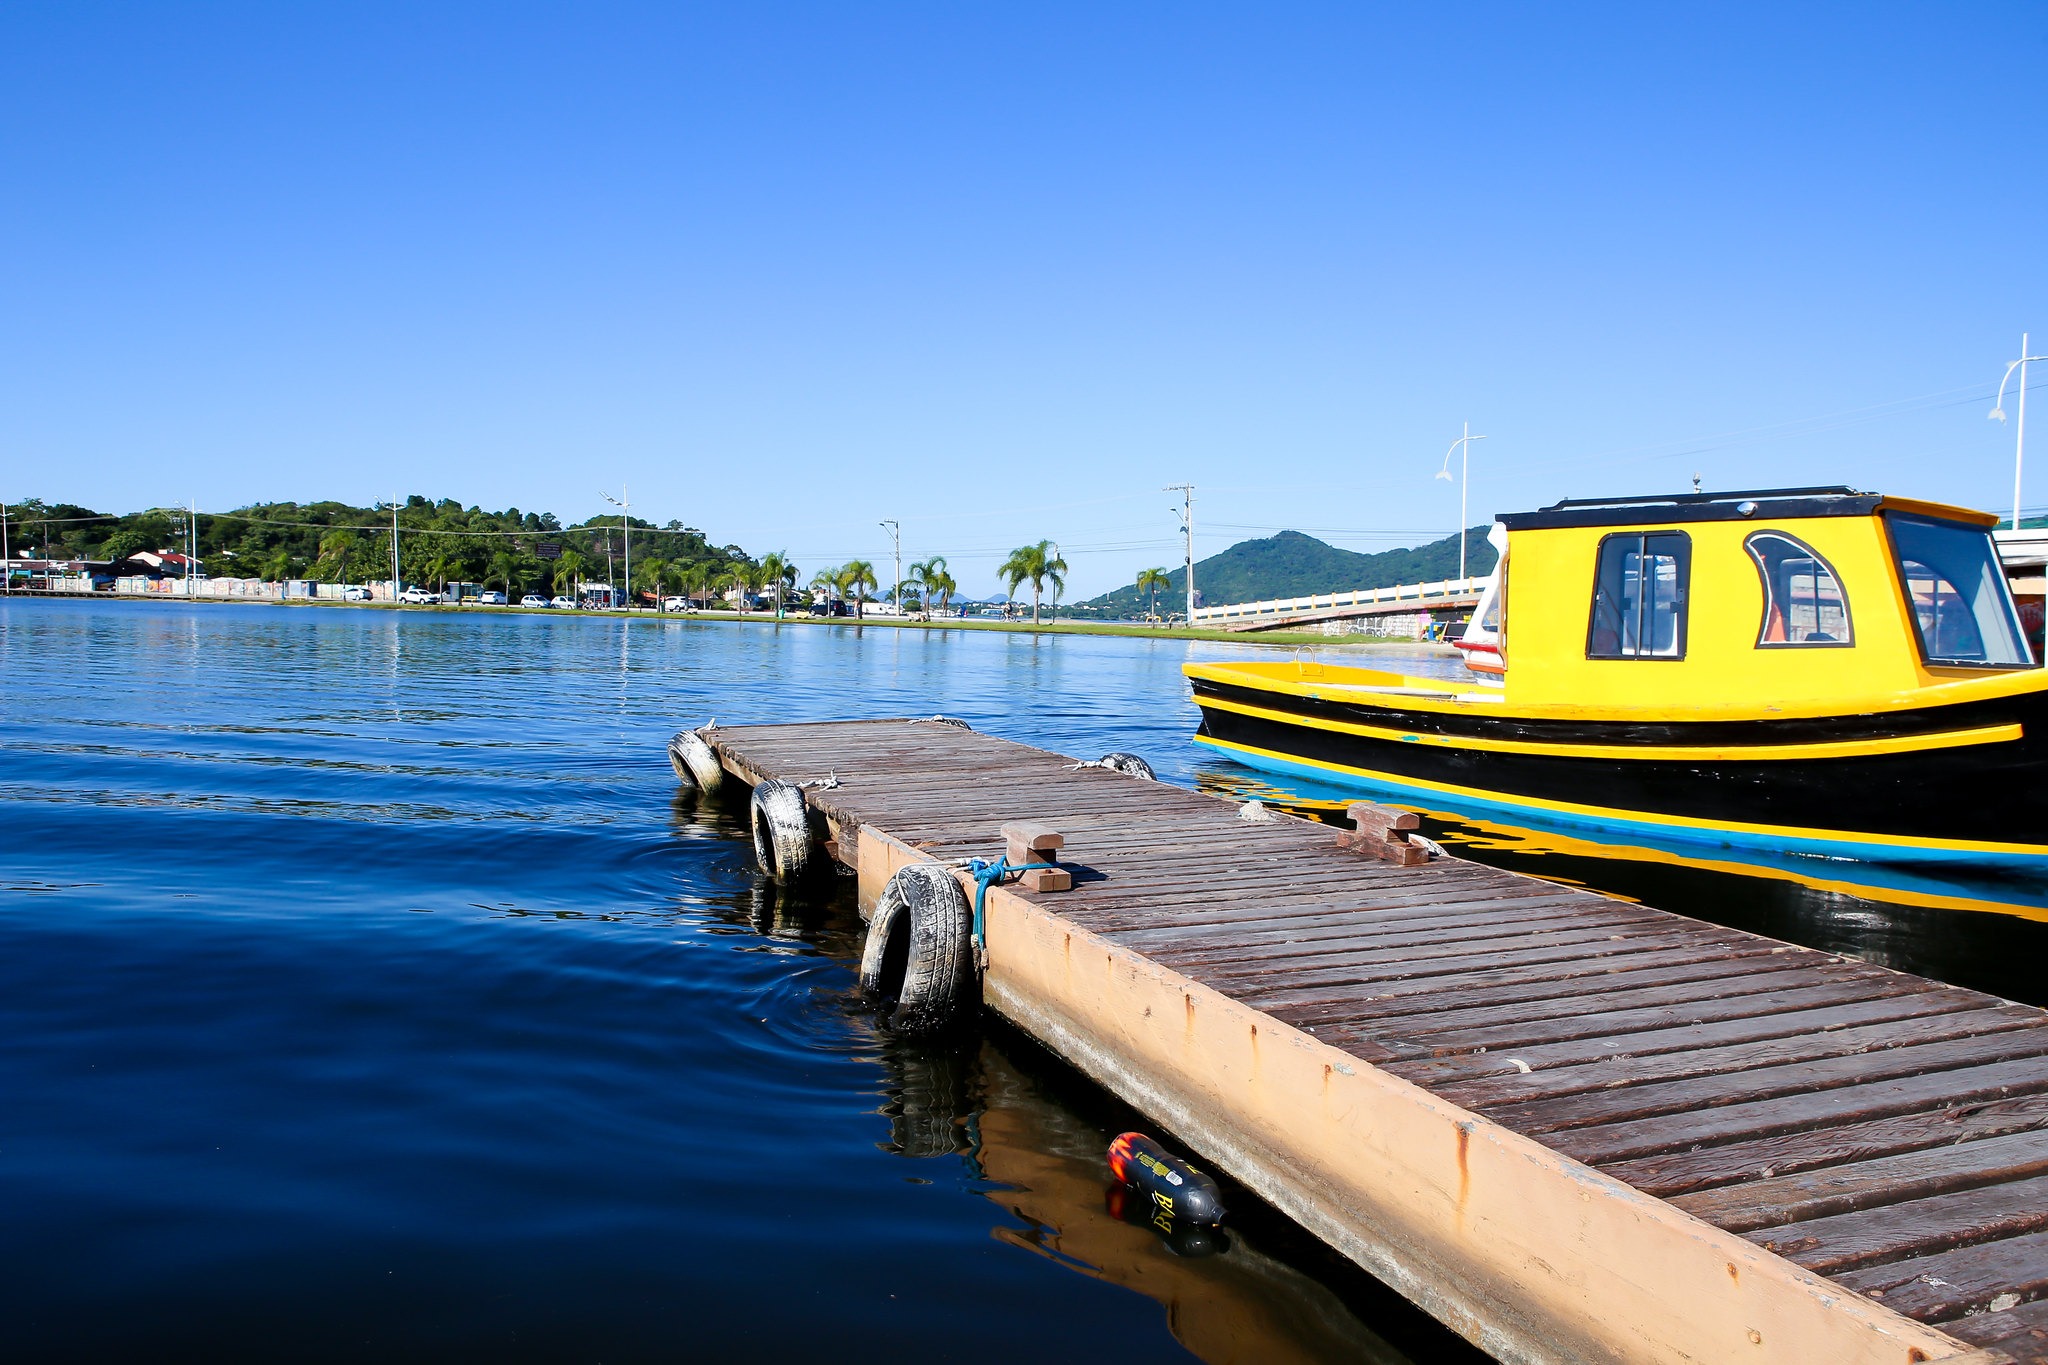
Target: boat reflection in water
1986	931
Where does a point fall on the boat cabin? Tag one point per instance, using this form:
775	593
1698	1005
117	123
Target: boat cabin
1720	600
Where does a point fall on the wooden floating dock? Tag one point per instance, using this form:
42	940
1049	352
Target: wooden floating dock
1571	1128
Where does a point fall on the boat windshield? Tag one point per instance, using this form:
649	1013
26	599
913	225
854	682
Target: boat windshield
1962	607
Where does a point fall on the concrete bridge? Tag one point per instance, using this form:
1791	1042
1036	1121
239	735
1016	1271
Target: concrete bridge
1408	609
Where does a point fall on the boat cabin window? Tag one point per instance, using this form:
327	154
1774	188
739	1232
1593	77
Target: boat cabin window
1639	596
1804	604
1962	607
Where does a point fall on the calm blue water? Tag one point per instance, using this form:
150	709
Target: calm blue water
368	991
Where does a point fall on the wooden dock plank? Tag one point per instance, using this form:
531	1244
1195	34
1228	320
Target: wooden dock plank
2020	1039
1888	1131
1678	1172
1950	1284
1918	1174
1817	1024
1893	1232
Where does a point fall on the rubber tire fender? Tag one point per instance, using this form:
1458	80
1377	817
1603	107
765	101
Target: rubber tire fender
917	965
695	764
1129	763
781	824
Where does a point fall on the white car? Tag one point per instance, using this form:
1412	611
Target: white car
533	599
355	594
563	603
418	597
677	604
491	599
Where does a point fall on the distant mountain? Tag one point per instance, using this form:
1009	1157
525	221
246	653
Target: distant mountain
1291	564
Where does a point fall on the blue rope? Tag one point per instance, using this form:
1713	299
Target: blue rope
987	874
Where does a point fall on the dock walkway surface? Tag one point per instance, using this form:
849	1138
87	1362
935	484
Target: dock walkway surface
1570	1127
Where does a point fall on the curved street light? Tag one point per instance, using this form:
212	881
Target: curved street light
1464	484
625	507
2019	449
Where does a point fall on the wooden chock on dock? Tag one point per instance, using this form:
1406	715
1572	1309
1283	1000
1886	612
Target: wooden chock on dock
1382	832
1035	847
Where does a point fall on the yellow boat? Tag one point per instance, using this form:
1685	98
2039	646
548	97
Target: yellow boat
1815	671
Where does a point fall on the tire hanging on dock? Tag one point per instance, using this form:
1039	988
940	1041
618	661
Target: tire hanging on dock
781	824
1128	763
917	966
695	764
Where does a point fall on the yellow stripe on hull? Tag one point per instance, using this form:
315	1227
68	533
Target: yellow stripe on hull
1685	753
1875	842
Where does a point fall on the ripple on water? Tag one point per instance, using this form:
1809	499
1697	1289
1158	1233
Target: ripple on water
371	989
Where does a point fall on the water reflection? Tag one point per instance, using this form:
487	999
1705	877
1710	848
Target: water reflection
1983	931
1227	1298
1007	1122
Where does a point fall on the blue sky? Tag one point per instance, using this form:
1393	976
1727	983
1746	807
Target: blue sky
1004	273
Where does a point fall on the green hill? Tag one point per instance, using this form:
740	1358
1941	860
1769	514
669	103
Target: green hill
1291	564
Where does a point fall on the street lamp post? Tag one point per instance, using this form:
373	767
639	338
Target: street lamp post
1464	488
1186	512
625	506
2019	448
896	530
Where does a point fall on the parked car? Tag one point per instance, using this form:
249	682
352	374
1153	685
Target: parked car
533	599
490	599
677	604
563	603
418	597
355	594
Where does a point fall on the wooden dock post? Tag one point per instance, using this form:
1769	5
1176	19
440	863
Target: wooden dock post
1571	1128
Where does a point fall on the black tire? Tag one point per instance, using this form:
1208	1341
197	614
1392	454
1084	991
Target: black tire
781	824
917	966
1129	763
695	764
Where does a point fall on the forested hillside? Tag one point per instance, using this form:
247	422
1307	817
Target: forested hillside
1291	564
439	542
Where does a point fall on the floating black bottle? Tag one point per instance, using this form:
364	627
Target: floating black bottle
1177	1190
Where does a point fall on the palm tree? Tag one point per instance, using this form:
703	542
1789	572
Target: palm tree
925	574
943	587
827	582
1040	563
568	567
652	573
335	548
504	569
1153	580
857	576
775	567
724	582
278	567
693	576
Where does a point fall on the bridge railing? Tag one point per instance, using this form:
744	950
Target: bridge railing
1419	594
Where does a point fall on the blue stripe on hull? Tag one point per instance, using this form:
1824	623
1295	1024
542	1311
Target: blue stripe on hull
1621	826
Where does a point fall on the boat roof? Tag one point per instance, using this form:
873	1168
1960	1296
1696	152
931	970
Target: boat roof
1774	504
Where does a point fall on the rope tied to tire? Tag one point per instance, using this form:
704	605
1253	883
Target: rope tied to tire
987	874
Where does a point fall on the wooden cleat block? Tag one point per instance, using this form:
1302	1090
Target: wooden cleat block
1051	879
1033	837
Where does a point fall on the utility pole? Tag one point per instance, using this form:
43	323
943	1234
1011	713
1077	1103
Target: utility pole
1464	486
625	506
2019	449
1186	512
6	554
897	531
394	551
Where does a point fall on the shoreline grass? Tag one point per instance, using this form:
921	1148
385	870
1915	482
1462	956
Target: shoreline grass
1288	639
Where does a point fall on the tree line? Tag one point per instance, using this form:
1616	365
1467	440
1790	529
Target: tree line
438	543
444	542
